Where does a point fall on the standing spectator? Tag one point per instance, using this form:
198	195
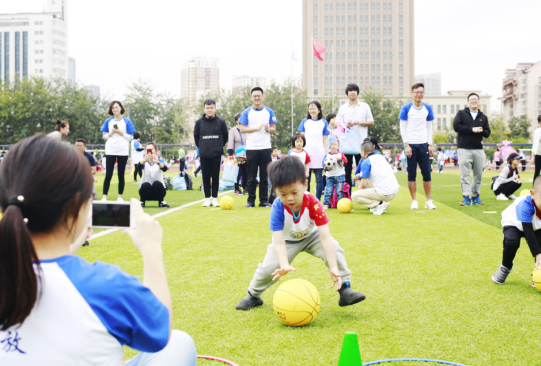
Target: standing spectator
441	159
498	158
258	122
62	129
378	183
152	186
357	116
334	172
137	153
298	142
117	131
210	135
416	129
471	125
237	139
536	149
331	120
316	132
508	181
81	145
182	159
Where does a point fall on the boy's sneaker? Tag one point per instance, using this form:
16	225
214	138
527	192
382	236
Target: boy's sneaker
512	197
348	296
249	204
215	202
120	199
477	200
385	205
86	244
264	204
500	275
430	205
142	203
502	197
249	302
414	205
104	199
467	201
163	204
379	209
237	192
207	202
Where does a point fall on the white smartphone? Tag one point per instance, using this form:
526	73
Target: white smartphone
112	215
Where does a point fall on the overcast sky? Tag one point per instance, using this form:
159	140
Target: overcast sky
470	42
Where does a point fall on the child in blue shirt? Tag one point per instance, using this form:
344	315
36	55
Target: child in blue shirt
299	224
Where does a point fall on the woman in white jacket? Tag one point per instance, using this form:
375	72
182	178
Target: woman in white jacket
508	181
536	148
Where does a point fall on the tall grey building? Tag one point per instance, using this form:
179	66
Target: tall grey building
71	70
198	77
432	83
369	42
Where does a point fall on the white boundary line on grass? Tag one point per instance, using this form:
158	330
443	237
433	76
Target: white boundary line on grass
109	231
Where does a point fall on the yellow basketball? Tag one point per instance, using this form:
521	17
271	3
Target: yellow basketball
524	192
227	202
296	302
536	278
345	205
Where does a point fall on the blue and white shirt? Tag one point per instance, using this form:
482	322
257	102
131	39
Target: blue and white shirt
84	314
313	133
116	144
311	215
418	124
521	210
252	118
153	172
377	169
136	156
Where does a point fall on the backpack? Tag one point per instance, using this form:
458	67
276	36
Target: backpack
188	179
167	183
345	194
179	183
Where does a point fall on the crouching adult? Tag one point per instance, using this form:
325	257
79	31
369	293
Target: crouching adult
378	183
152	187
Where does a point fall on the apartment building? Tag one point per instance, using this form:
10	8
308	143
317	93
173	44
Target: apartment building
521	89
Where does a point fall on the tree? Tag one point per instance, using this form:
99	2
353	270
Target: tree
518	128
495	124
385	112
441	138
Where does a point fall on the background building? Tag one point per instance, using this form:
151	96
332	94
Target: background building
198	77
71	70
370	42
34	44
242	81
432	83
94	89
522	89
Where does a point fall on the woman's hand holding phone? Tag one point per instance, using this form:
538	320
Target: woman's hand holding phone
147	234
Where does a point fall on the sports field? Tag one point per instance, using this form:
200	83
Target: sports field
426	275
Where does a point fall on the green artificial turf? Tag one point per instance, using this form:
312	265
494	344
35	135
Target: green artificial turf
426	275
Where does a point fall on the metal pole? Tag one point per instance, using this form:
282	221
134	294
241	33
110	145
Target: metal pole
501	122
291	86
332	84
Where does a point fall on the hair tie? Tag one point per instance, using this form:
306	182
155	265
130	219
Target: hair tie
19	202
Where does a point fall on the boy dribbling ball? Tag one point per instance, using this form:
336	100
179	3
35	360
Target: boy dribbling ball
521	219
298	224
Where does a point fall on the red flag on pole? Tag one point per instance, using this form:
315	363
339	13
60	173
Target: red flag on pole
317	49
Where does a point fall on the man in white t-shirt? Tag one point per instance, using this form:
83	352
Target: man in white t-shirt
137	153
416	129
258	122
358	117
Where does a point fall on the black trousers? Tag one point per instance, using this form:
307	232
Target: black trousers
511	243
537	166
258	160
243	168
182	164
110	169
508	188
137	170
210	167
349	167
154	192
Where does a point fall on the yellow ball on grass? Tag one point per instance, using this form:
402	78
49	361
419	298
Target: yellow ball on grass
524	192
345	205
536	278
296	302
227	202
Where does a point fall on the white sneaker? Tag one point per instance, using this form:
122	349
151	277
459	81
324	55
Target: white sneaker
104	199
430	205
120	199
215	202
513	197
379	210
207	202
385	205
501	197
414	205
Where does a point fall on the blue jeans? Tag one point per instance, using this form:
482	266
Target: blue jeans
332	183
319	181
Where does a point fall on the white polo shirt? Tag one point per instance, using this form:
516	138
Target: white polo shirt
360	112
252	117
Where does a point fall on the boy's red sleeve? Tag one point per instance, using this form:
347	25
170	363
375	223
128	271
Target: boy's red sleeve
317	213
344	158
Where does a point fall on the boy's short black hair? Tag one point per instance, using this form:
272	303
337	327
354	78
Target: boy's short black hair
332	115
256	88
210	102
439	148
237	117
539	118
285	171
274	148
298	136
136	135
80	139
418	85
352	87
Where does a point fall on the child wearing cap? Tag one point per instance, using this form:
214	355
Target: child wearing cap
335	173
508	181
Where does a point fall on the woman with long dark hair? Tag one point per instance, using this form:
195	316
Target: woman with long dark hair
508	181
316	131
118	132
57	309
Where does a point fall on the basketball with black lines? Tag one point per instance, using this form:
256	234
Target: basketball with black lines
296	302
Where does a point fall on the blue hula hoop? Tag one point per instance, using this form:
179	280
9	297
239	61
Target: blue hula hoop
413	359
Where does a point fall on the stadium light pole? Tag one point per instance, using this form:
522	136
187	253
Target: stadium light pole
128	102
